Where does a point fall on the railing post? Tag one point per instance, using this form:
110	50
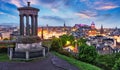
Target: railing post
11	53
27	55
43	51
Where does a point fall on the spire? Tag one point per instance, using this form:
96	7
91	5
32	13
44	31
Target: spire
101	30
116	28
102	26
64	24
28	3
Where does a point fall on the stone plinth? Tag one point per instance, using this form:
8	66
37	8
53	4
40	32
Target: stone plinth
27	51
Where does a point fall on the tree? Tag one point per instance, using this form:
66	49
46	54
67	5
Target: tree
81	41
87	53
65	38
106	61
56	44
117	65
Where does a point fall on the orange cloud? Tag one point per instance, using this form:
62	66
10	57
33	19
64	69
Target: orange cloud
16	3
107	7
82	15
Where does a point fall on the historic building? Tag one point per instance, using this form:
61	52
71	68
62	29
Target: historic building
93	30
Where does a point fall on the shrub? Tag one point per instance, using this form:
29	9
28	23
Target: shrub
105	61
117	65
81	41
3	50
65	38
87	53
56	44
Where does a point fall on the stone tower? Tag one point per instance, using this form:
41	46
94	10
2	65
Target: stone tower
28	12
92	25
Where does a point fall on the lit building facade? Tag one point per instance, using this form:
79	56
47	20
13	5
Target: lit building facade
93	30
52	31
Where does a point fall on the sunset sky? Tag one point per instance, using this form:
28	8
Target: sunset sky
55	12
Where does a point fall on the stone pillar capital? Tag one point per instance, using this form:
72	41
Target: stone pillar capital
27	14
33	15
21	15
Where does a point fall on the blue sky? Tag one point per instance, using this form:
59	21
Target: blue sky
55	12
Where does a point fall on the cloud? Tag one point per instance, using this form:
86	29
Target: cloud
53	5
56	18
84	0
34	2
16	3
87	14
101	5
54	10
107	7
21	3
48	1
107	15
7	15
1	13
82	15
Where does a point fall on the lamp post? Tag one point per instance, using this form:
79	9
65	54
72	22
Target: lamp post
76	46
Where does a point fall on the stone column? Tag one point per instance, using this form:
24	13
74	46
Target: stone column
27	25
21	25
36	25
32	25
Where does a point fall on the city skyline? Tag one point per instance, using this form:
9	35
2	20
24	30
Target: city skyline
56	12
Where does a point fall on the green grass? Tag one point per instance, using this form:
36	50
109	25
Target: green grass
4	57
77	63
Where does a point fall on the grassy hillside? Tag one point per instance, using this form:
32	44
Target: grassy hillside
77	63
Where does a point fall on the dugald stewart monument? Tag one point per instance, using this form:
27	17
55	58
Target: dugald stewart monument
28	44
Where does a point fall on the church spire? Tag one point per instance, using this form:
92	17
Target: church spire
64	26
101	30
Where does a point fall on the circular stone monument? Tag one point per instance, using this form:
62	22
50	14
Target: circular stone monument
28	44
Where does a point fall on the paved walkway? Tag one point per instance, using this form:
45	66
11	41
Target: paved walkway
50	63
62	64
